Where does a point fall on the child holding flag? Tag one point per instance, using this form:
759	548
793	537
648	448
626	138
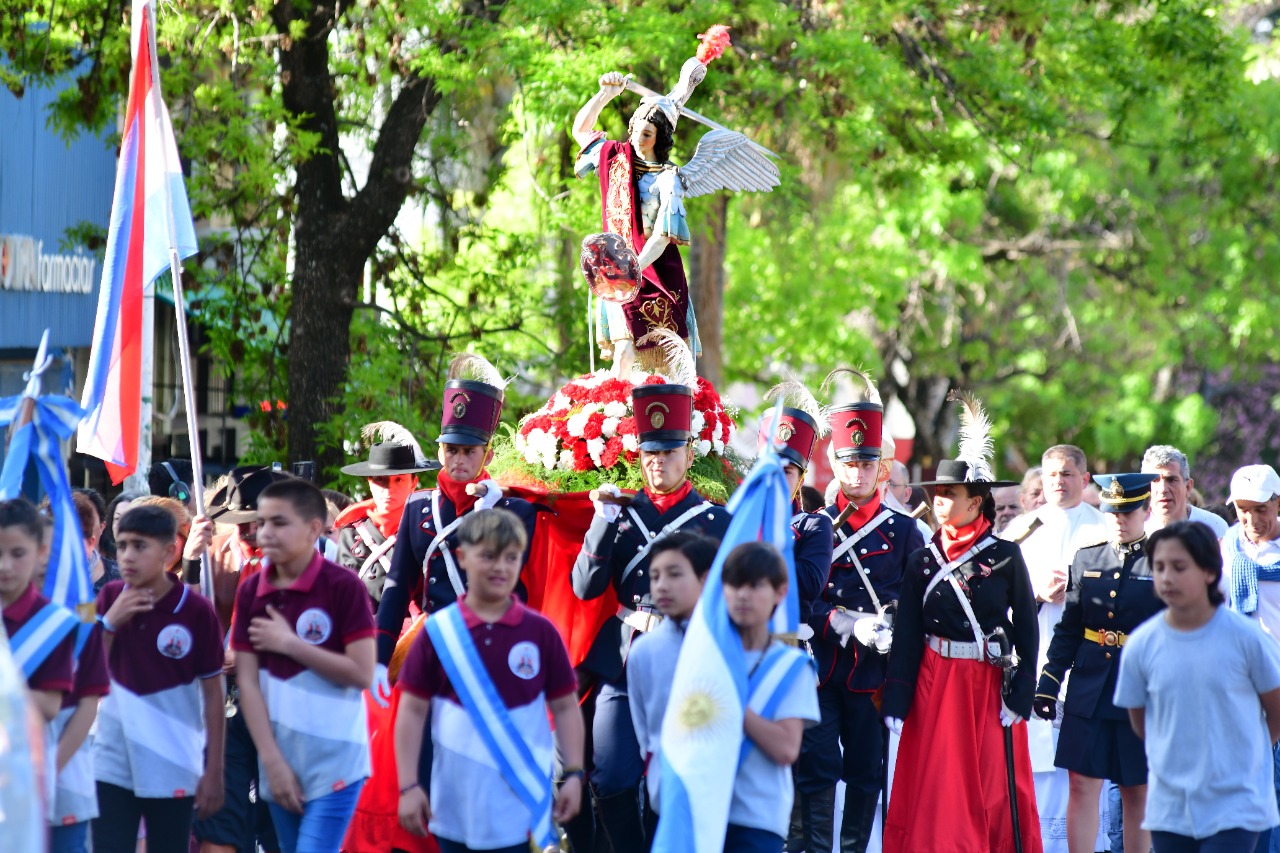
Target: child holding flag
488	669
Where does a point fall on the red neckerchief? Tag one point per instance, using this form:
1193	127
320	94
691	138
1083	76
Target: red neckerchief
862	514
662	503
387	523
250	558
957	540
457	492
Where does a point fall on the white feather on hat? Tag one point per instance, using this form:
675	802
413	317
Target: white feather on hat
976	446
466	365
682	367
864	390
797	396
390	432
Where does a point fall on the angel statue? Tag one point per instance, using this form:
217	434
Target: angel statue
642	194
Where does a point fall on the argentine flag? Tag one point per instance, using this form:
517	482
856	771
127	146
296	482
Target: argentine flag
702	729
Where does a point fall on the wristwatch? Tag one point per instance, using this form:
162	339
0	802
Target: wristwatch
569	772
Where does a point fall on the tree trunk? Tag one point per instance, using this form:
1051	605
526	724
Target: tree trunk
706	285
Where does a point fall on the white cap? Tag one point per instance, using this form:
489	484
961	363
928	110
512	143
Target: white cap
1257	483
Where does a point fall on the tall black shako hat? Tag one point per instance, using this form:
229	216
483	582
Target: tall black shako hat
472	401
237	501
664	413
973	460
857	427
392	450
1123	492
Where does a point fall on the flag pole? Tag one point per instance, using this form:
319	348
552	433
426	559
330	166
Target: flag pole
179	307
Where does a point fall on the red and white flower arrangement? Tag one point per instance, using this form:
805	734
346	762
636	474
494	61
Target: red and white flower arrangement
589	424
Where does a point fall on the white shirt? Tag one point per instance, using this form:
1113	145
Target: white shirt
1216	523
1264	554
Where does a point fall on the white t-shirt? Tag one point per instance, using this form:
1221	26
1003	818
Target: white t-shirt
1190	683
762	790
1216	523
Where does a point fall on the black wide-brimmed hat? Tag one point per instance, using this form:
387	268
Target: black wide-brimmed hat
237	501
972	464
396	452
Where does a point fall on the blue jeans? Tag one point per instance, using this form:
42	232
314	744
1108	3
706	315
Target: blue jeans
322	824
1227	841
73	838
447	846
1115	807
1269	841
744	839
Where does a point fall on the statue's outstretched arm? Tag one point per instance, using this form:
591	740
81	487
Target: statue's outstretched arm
584	122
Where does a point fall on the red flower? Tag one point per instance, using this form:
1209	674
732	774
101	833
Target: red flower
581	458
627	425
612	450
592	428
655	380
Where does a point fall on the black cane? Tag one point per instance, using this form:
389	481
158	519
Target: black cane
1006	664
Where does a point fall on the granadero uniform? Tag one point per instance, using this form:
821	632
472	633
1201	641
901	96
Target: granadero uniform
151	728
366	535
850	741
616	553
1110	592
319	726
422	562
527	662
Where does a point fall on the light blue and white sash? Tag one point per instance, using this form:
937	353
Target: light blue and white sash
771	682
36	640
458	654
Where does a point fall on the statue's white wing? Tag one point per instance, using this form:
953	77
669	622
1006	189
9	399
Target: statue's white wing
726	160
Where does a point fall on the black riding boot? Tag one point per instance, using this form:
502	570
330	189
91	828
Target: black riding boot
859	816
620	819
812	822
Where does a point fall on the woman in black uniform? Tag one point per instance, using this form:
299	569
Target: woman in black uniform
1109	593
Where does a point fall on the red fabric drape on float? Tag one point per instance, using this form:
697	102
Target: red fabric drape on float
556	543
375	826
951	791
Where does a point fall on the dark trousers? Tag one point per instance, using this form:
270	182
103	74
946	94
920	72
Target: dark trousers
240	823
1227	841
850	720
617	763
115	830
745	839
447	846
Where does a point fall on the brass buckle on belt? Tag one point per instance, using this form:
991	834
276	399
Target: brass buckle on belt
1108	638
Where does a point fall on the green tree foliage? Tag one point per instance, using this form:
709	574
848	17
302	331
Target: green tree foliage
1066	207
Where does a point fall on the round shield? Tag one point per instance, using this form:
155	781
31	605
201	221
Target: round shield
611	267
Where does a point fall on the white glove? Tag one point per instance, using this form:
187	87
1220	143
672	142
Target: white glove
381	686
491	496
843	624
609	512
894	725
1007	717
873	632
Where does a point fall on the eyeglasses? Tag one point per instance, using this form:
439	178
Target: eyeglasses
894	485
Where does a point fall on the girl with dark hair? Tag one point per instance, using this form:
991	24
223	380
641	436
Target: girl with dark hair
944	692
1193	669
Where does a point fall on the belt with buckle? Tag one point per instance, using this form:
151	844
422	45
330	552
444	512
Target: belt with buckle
1106	638
956	649
639	619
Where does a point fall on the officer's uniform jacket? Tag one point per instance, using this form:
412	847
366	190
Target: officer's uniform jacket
1110	588
363	549
418	528
602	563
812	549
883	553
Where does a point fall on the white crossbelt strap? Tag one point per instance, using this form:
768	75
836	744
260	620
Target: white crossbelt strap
378	553
439	544
846	545
947	570
680	521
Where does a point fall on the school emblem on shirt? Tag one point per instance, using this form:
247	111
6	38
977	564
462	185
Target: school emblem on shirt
174	641
524	660
314	626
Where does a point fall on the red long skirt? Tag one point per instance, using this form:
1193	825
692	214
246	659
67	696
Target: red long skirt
951	789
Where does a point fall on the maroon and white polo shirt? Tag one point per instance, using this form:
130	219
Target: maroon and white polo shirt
56	673
319	726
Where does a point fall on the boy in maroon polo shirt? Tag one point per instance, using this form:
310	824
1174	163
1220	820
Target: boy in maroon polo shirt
23	549
303	636
472	806
164	654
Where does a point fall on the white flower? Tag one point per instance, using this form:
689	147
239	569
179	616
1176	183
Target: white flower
566	460
704	447
560	402
718	445
610	426
615	409
595	447
631	442
698	422
578	423
520	442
